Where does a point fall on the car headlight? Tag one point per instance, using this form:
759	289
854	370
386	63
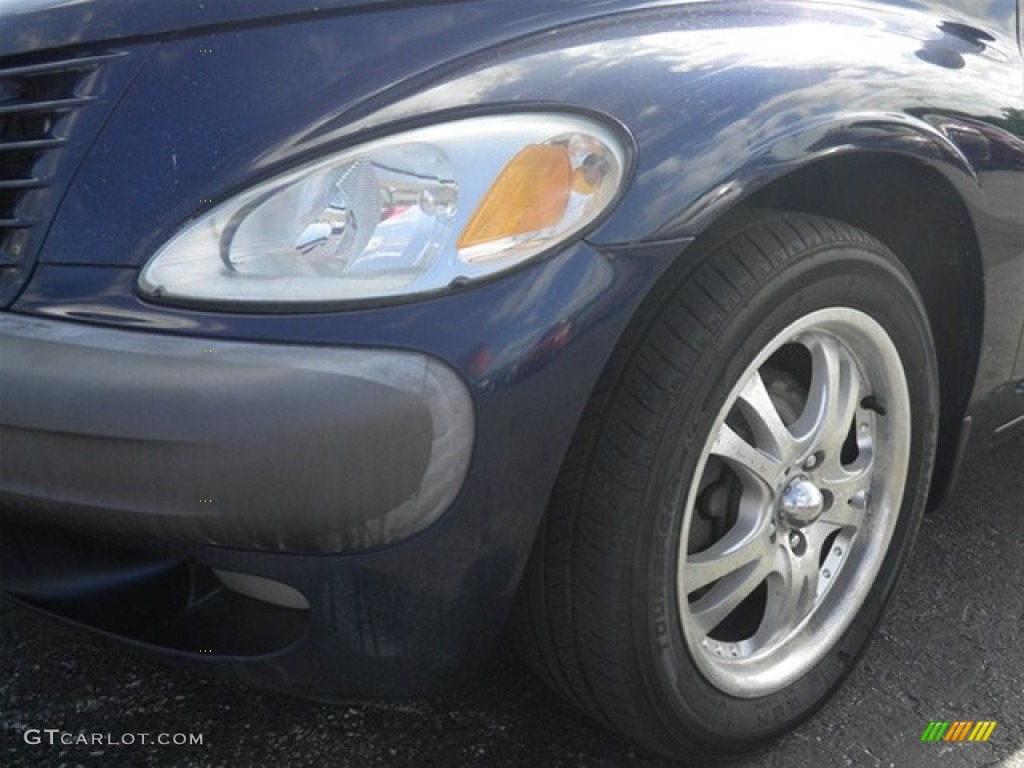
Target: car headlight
409	214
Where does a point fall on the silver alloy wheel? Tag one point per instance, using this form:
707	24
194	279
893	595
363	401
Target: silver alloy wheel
795	499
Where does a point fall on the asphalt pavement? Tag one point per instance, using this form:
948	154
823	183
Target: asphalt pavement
950	648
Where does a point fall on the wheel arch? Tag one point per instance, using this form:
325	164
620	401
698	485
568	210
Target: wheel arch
921	217
900	177
905	183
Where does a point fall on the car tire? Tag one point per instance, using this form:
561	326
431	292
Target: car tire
743	491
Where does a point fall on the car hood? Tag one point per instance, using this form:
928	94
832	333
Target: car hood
32	25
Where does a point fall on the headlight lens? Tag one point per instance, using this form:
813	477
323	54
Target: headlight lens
405	215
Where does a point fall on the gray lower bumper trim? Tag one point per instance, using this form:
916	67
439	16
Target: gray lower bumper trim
256	446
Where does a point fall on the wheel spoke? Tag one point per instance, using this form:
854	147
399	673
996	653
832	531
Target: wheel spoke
726	595
843	515
745	458
849	481
850	490
832	399
770	433
731	553
817	534
792	592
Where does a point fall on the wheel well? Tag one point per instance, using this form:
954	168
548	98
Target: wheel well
920	217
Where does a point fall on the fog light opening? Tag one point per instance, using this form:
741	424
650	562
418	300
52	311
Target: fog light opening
265	590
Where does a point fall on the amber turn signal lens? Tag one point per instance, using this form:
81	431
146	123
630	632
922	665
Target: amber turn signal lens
530	194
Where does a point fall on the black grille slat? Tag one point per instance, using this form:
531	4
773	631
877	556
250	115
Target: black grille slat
21	146
39	102
32	183
63	65
54	105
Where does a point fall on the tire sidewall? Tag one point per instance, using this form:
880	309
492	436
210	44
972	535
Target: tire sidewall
832	275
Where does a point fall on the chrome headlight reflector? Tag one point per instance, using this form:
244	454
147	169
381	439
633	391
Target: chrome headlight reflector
405	215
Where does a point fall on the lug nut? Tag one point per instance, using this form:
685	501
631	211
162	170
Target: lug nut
797	543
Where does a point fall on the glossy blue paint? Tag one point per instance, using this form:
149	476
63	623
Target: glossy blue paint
722	99
37	24
713	121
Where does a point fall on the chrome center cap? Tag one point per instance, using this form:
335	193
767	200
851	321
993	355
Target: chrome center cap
802	503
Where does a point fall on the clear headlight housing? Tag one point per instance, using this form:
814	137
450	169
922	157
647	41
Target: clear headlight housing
405	215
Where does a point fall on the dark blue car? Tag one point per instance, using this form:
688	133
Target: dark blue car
338	335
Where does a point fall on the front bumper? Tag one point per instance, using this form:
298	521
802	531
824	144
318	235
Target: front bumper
253	446
404	619
122	502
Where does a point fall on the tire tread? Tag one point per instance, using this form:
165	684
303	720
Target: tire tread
573	612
